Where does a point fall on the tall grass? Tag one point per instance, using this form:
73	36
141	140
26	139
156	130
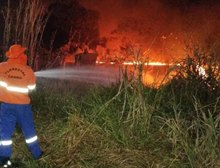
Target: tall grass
196	142
127	125
190	112
25	21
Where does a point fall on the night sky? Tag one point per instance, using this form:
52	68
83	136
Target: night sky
165	12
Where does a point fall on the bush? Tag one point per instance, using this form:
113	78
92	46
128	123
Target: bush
196	79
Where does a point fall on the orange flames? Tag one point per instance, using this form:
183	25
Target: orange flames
153	73
138	63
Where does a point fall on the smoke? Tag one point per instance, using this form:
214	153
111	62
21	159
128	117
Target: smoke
163	27
112	12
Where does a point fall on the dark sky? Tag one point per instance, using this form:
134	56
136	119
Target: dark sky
112	11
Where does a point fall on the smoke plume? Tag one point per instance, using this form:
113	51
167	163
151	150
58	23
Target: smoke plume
163	27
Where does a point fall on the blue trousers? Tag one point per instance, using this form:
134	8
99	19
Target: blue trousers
21	114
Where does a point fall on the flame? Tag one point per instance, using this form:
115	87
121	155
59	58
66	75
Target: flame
153	72
138	63
157	63
202	71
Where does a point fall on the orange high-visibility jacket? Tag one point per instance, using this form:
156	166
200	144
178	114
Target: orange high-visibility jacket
16	80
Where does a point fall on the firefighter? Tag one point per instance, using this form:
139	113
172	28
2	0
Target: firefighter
16	80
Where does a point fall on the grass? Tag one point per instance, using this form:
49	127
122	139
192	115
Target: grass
24	23
127	125
95	132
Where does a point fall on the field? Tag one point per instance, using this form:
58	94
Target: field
125	125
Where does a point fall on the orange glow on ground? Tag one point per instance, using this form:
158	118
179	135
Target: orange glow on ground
153	73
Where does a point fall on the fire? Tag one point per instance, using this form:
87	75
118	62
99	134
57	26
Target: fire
138	63
147	63
156	64
153	73
202	71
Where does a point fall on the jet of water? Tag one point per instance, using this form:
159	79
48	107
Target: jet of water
103	75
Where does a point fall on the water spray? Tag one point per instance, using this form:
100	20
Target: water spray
100	75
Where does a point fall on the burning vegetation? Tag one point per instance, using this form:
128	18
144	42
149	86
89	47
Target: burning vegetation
161	29
173	123
71	32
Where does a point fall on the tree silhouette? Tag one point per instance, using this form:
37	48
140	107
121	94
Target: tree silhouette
70	22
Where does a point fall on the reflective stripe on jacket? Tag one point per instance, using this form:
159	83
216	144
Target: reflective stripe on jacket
16	80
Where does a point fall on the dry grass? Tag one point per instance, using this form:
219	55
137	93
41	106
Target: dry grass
80	144
25	25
